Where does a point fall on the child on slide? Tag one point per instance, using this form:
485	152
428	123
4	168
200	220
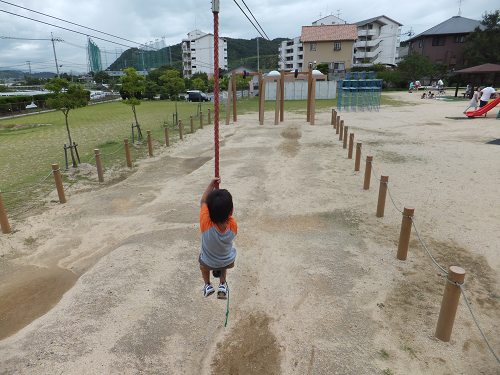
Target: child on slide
218	229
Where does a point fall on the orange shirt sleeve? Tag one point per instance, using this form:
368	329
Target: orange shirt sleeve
205	222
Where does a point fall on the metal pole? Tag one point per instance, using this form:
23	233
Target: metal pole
55	57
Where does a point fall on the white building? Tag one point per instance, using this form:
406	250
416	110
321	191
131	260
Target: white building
378	39
198	54
292	53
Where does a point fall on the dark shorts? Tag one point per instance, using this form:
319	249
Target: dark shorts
482	103
203	264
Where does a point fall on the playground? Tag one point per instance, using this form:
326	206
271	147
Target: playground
316	287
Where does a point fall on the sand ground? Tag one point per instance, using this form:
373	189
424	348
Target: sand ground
109	282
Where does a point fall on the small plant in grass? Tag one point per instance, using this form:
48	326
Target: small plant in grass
420	297
388	371
384	353
409	350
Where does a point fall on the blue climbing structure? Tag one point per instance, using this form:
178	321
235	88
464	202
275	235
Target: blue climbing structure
359	91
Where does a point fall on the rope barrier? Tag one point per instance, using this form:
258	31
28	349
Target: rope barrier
434	260
28	189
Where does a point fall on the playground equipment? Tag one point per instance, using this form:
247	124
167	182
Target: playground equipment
485	109
359	92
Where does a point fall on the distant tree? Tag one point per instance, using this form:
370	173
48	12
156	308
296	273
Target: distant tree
132	86
392	78
102	77
484	44
173	85
201	75
414	66
67	97
151	90
158	72
33	81
323	68
198	84
242	82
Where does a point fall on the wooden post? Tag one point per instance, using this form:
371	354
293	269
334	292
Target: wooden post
358	157
191	123
309	83
127	152
338	125
334	118
201	120
59	185
235	96
277	103
368	172
382	194
180	129
167	138
228	104
261	98
150	143
449	303
282	96
341	133
98	165
404	235
312	108
4	221
344	145
351	144
209	120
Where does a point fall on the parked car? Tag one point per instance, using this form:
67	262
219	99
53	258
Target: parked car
197	96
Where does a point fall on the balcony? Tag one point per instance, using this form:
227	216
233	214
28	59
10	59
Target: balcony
372	32
366	43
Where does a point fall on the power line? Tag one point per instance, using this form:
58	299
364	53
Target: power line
72	23
10	37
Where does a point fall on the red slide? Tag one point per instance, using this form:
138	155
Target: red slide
483	110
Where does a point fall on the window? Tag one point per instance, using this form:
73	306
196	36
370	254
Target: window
300	57
338	66
420	43
301	49
462	39
313	46
438	40
336	46
456	39
194	67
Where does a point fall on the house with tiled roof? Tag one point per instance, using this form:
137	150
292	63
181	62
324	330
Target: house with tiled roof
378	39
443	43
330	44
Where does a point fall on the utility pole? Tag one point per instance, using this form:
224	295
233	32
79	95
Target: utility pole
55	57
29	65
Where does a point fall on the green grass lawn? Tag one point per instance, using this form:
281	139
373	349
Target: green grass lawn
29	145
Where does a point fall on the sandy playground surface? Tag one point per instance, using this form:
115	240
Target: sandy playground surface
109	282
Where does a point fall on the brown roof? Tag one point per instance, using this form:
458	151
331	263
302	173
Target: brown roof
485	68
326	33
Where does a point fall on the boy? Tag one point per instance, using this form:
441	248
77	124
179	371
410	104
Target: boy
218	229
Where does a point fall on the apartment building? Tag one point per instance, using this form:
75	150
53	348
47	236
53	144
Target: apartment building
378	39
198	54
292	54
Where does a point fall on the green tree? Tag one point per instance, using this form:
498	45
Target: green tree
323	68
132	85
151	90
198	84
414	66
484	44
67	97
157	73
173	85
242	82
101	77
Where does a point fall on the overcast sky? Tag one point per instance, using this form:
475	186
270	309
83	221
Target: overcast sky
145	21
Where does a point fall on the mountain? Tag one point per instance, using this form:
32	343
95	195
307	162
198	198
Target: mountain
19	74
240	51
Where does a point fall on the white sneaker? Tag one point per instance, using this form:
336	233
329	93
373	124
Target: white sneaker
208	290
222	291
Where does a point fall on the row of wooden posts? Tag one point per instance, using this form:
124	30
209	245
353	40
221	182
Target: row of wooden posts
451	296
4	221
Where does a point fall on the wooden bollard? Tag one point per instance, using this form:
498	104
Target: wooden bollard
192	125
368	172
344	145
4	221
334	118
338	125
127	153
358	156
59	185
150	143
180	129
351	145
449	303
404	235
201	120
98	165
209	122
167	138
341	133
382	194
